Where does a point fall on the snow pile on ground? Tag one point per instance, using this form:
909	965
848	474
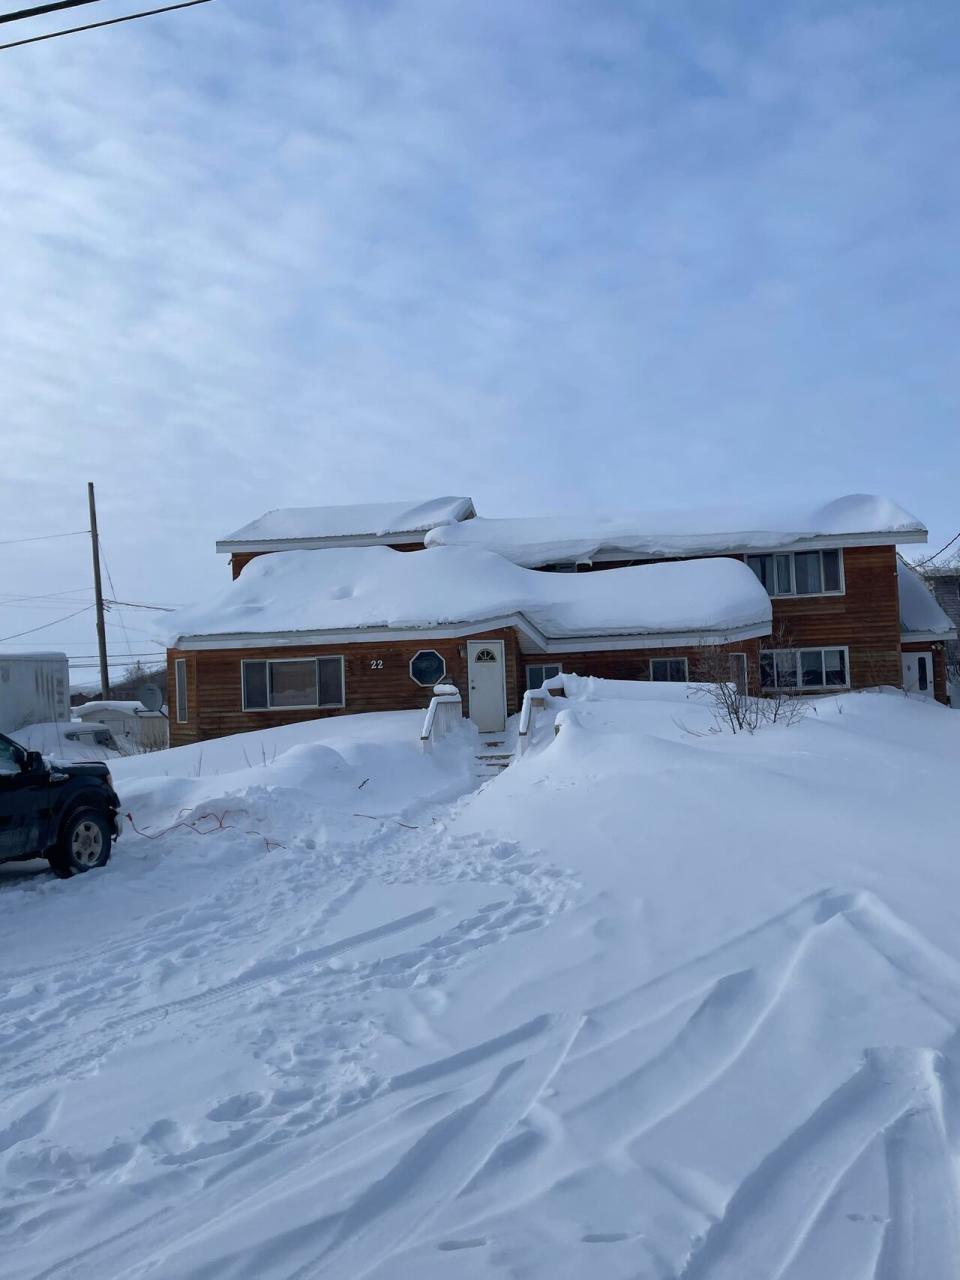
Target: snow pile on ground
656	1002
370	587
537	540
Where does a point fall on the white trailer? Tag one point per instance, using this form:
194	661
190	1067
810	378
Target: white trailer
34	689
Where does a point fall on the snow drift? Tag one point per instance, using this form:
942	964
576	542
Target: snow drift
654	1002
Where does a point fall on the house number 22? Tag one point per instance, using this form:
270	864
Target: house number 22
376	664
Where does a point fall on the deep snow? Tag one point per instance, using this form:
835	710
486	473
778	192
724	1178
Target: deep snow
655	1002
360	588
538	540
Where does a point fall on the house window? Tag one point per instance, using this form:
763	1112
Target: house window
427	667
537	675
804	669
800	573
674	669
180	679
292	683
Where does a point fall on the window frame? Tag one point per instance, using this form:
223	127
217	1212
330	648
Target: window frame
793	594
304	706
180	686
541	666
799	686
738	656
686	670
428	684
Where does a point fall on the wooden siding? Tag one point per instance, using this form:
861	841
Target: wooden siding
215	706
634	664
866	618
240	558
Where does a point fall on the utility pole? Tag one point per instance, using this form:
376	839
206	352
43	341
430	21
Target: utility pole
98	588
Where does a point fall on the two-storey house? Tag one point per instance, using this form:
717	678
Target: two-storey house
323	617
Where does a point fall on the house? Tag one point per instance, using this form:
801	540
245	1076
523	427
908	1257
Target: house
930	612
324	617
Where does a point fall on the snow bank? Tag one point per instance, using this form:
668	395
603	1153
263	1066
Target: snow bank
537	540
374	520
653	1002
353	589
919	611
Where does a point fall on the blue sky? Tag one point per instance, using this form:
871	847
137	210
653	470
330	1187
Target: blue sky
557	255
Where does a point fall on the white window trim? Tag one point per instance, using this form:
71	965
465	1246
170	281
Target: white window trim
806	595
660	658
739	653
180	681
428	684
303	706
530	665
808	688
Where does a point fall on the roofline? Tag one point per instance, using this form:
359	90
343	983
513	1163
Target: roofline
532	639
230	545
315	544
927	637
813	542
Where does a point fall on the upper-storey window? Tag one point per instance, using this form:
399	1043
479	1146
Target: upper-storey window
800	573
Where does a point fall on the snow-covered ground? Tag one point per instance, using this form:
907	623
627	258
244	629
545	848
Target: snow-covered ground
655	1002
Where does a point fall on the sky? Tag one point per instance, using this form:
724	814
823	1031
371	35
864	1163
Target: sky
561	255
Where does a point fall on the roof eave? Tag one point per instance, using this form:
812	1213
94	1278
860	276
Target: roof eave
532	638
231	547
927	637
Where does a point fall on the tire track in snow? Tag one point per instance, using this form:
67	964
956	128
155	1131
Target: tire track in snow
238	1192
141	1018
439	1165
923	1231
793	1183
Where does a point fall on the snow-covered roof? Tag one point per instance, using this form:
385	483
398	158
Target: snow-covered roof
369	521
538	540
462	591
98	707
921	617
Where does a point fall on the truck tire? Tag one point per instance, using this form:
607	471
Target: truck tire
84	843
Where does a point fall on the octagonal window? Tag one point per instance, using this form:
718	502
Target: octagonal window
427	667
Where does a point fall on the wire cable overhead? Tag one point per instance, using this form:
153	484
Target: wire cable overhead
89	26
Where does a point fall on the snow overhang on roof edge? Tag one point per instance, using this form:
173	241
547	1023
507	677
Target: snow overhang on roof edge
536	641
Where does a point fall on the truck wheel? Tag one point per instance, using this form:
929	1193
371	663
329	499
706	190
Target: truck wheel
84	844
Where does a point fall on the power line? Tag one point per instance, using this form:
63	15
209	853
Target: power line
44	537
43	627
918	564
107	22
126	604
39	9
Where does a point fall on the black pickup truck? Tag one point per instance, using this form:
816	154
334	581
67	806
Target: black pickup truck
68	814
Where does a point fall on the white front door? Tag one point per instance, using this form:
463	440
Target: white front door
488	686
918	673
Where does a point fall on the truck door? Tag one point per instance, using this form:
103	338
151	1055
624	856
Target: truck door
23	804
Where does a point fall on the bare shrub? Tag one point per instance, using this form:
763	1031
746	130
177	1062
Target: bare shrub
723	681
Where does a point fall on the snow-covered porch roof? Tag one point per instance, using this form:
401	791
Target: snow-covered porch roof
357	595
921	617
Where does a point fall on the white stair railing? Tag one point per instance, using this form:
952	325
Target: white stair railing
534	701
443	714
